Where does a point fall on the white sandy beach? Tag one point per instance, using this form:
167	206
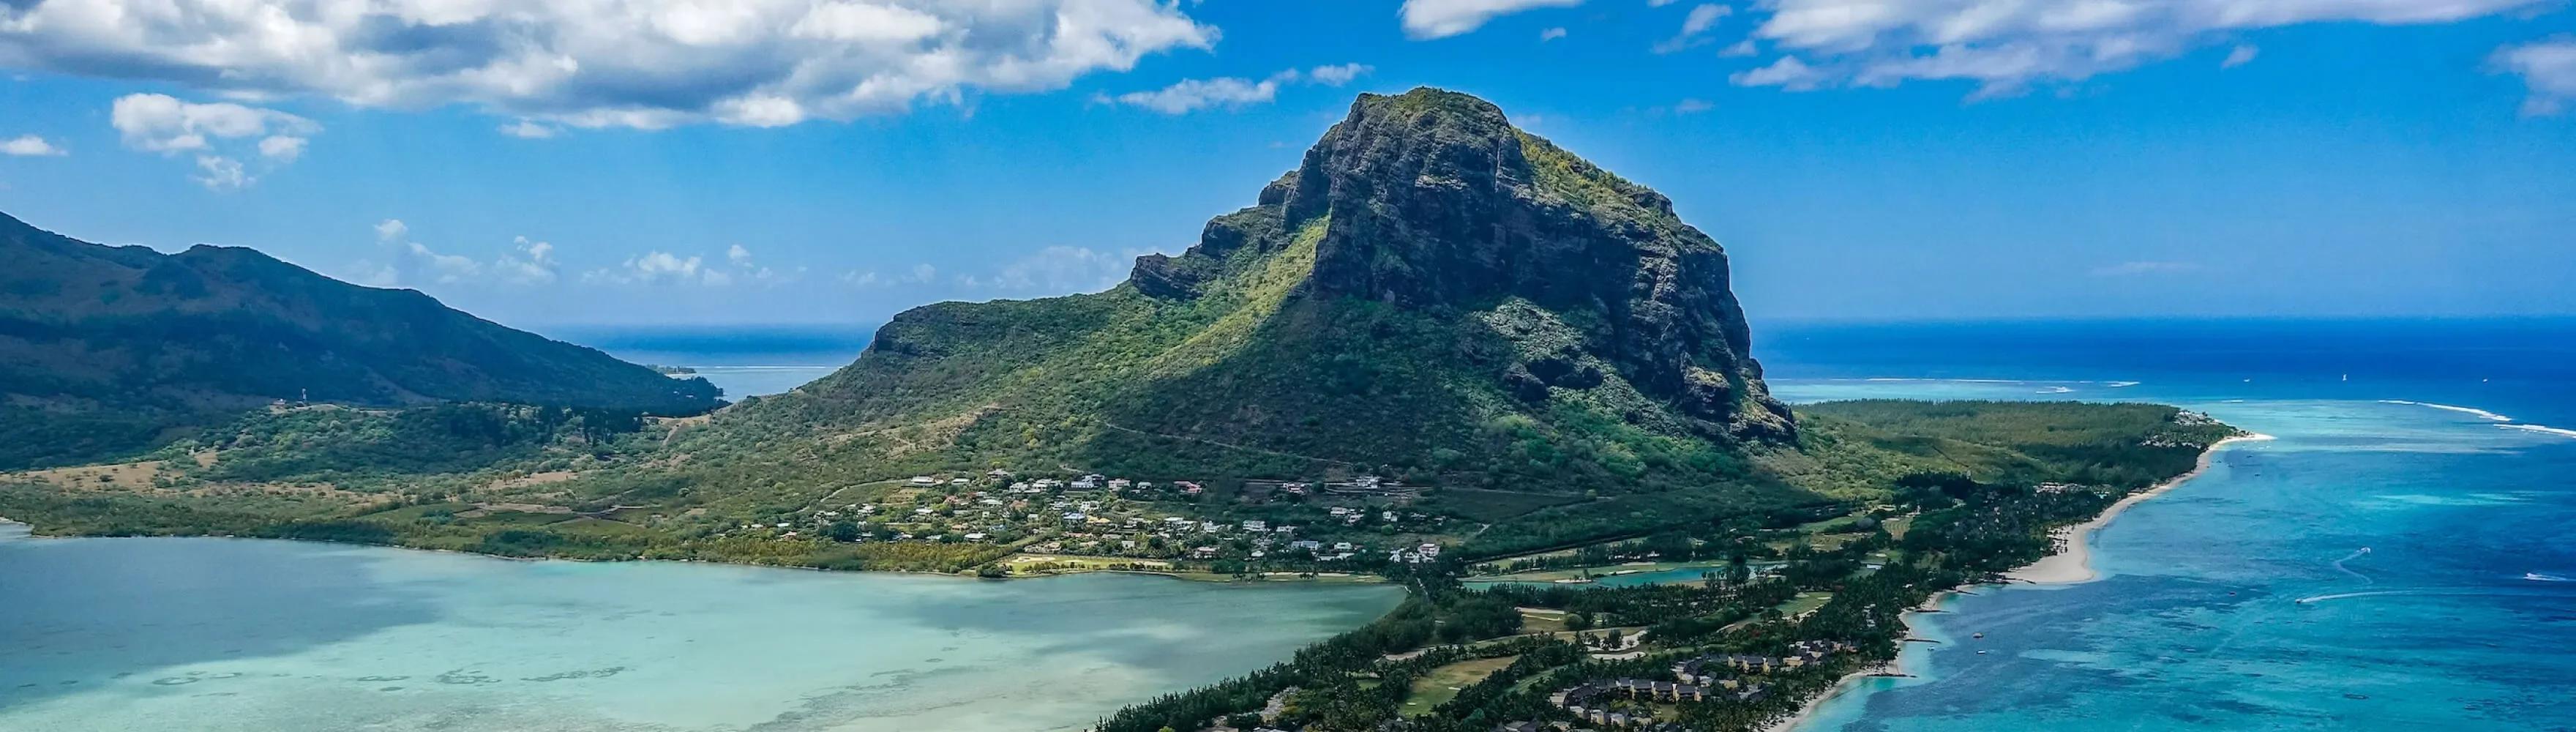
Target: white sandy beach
2075	563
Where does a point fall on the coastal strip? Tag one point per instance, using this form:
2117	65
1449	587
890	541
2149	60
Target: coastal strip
2075	563
2071	566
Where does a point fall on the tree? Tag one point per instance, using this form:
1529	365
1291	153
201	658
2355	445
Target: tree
842	531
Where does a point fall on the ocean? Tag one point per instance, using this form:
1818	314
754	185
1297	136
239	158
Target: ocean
2400	557
743	360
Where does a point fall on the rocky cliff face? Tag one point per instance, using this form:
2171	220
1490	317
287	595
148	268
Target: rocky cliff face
1432	201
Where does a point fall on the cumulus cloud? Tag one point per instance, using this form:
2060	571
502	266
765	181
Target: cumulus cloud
2007	46
1190	95
30	146
665	268
1551	34
630	63
1428	19
1337	75
654	268
411	264
1787	73
2548	68
2133	269
528	263
219	134
1695	28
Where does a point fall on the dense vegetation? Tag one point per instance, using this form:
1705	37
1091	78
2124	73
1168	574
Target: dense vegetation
1962	530
108	351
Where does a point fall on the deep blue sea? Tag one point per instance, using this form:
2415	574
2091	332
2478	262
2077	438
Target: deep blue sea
2399	558
743	360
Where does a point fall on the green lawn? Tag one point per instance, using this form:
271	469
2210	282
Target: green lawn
1805	602
1442	684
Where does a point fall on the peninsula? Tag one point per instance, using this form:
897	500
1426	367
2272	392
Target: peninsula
1441	349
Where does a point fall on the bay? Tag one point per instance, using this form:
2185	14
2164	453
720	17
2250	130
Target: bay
270	636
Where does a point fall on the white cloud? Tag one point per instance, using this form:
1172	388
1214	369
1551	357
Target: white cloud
2241	55
1741	48
656	268
2548	68
1692	106
30	146
1427	19
1190	95
528	263
1551	34
1787	73
594	63
528	130
220	134
282	148
1337	75
444	269
2132	269
666	268
411	263
1694	27
2007	46
221	173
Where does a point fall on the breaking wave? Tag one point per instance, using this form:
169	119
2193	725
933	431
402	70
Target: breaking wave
2540	429
2474	411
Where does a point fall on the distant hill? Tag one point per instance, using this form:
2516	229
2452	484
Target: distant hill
107	350
1433	295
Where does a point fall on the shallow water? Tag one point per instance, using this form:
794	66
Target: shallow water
2244	599
268	636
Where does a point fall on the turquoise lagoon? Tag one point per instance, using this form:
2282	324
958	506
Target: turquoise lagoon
270	636
2397	559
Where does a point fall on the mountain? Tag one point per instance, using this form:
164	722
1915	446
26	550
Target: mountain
105	350
1432	295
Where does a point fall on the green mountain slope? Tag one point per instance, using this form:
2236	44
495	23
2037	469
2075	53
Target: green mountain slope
1432	295
105	350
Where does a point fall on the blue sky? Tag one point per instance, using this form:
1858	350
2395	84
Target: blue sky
818	161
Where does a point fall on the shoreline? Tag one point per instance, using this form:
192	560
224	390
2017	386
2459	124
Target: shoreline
2074	565
1178	575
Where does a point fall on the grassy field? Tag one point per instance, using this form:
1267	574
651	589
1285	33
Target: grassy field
1482	505
1805	602
1551	575
1442	684
1541	620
